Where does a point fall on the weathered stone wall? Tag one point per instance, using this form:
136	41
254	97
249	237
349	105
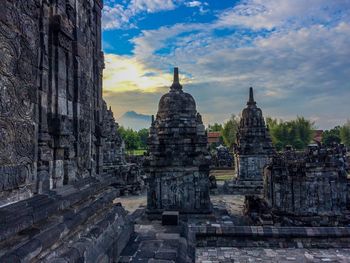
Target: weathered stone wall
57	201
51	94
252	166
311	184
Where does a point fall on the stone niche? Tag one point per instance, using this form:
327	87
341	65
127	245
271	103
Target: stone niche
308	187
178	164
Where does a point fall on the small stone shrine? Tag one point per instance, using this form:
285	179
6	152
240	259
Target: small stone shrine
253	151
178	164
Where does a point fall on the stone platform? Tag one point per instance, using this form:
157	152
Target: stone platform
267	255
153	242
76	223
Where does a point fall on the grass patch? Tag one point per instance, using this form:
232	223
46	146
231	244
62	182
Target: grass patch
136	152
223	175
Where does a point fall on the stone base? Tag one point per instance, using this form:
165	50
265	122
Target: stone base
221	235
261	213
73	224
240	187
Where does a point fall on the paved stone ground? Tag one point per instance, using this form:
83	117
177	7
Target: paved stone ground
132	202
153	242
229	254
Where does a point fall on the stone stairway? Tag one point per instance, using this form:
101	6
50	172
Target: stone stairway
154	243
74	224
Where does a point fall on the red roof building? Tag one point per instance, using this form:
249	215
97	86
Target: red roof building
318	135
214	137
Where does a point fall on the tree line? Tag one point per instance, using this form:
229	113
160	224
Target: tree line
298	132
339	134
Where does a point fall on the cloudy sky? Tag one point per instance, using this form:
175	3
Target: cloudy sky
295	53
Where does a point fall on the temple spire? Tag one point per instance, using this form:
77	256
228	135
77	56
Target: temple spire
176	76
176	82
251	97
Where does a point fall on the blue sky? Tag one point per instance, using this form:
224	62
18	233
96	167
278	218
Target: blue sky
295	53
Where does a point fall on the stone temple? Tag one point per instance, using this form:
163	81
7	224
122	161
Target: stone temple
63	171
253	151
61	157
178	165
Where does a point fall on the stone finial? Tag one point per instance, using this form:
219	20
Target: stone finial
176	82
251	97
176	75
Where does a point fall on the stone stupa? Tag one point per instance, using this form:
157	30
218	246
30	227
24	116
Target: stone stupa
178	163
253	151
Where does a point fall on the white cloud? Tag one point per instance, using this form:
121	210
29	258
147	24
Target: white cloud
193	4
202	6
151	6
125	73
117	16
297	69
269	14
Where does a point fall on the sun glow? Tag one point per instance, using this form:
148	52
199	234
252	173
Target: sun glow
123	74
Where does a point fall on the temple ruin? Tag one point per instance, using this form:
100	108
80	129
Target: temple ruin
61	157
308	188
63	170
178	164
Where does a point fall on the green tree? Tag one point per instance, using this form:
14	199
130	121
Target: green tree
345	133
229	131
130	137
331	136
216	127
304	132
143	134
298	132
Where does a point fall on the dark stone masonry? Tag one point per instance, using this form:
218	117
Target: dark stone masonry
65	179
308	187
51	95
61	157
178	162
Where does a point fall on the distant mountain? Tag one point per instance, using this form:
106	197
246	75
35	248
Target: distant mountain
135	121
